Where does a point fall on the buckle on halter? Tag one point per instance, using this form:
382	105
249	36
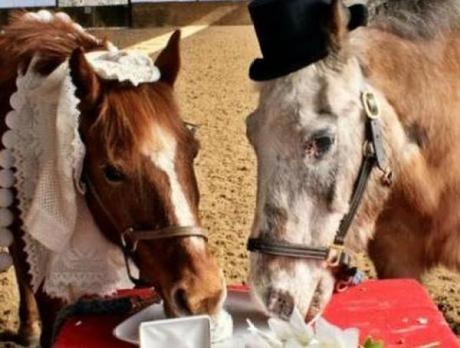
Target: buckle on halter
129	247
337	256
371	105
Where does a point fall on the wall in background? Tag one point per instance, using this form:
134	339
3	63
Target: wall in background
77	3
27	3
157	1
142	13
5	4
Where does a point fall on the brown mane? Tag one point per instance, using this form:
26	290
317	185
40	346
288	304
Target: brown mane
53	41
414	19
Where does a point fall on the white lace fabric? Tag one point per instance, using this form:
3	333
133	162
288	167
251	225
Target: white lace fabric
65	250
134	67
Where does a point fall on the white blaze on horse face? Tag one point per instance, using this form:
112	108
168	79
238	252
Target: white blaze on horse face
303	191
162	152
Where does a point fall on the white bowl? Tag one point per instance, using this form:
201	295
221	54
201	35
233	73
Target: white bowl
238	304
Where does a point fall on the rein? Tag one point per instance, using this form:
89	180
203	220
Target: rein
373	156
130	237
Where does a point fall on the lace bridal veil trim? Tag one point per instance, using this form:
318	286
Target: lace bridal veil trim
64	247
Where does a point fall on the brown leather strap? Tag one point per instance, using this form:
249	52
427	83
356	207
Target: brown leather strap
130	237
358	193
307	252
138	235
297	251
166	233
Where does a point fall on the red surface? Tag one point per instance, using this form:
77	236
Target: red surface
390	310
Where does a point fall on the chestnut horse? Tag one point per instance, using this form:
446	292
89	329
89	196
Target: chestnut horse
139	160
309	132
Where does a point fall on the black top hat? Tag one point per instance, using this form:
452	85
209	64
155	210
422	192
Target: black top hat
293	34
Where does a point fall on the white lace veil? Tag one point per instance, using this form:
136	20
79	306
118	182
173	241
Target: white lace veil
65	249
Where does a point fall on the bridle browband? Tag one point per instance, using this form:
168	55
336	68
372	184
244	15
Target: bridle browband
373	156
130	237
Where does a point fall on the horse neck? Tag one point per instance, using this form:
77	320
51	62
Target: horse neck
420	81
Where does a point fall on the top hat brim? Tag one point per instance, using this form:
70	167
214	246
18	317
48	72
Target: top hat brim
303	53
264	70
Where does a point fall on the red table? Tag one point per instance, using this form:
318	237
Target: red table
400	312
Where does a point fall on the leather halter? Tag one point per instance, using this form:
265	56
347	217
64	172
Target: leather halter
373	156
130	237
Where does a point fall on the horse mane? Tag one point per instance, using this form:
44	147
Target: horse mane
415	19
52	37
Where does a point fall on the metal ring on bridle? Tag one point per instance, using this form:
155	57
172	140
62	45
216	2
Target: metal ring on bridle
124	242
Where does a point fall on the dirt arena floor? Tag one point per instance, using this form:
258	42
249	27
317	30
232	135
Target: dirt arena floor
215	92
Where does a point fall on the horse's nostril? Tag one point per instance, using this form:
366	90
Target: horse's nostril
280	303
180	300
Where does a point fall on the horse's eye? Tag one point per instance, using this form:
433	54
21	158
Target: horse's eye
318	145
113	174
324	143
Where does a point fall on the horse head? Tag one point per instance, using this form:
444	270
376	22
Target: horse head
309	133
140	178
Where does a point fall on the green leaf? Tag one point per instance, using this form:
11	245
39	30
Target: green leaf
370	343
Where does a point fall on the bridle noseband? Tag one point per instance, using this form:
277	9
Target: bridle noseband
373	156
130	237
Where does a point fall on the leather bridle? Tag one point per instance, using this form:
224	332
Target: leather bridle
373	156
130	237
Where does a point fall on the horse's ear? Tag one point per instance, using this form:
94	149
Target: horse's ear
169	59
338	26
344	19
84	78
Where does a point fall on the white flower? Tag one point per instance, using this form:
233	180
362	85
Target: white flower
297	334
330	336
264	339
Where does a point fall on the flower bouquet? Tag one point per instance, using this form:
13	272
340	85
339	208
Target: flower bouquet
319	333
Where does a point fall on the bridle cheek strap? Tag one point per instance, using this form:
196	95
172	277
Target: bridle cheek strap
297	251
130	237
373	156
134	236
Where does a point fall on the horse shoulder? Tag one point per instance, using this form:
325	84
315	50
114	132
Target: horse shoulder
421	82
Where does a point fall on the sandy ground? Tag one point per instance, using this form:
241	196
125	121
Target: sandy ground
214	92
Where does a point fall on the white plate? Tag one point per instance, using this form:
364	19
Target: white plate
238	304
170	332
